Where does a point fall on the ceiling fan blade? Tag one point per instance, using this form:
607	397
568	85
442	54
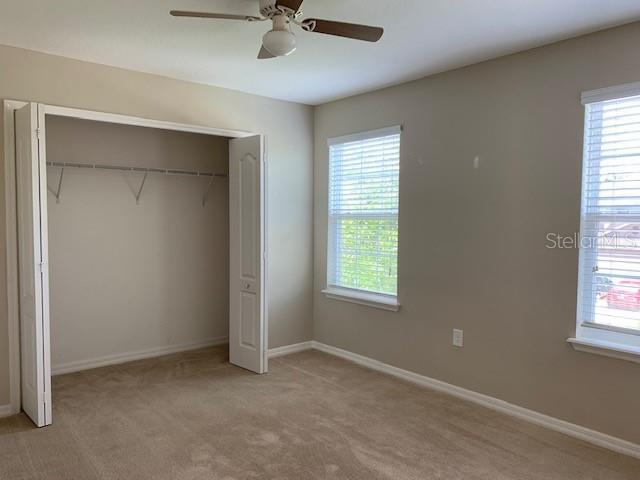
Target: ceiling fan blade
264	54
290	4
224	16
341	29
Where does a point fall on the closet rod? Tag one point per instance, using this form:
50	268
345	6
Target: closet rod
163	171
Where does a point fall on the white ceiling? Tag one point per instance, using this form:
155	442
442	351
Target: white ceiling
421	37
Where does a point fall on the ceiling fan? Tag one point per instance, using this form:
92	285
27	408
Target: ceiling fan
281	41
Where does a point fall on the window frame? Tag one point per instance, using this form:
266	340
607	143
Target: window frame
368	298
611	341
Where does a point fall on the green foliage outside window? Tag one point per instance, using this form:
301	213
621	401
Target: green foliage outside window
368	254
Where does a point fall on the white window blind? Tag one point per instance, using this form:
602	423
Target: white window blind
363	212
609	283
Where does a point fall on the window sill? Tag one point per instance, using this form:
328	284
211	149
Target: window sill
608	349
361	298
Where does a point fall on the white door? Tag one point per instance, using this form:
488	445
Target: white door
32	264
247	334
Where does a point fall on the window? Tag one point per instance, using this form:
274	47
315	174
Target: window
609	278
363	217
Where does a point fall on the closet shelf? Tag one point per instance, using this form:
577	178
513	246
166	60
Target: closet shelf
162	171
144	170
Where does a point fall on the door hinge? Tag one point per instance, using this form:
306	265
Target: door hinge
38	133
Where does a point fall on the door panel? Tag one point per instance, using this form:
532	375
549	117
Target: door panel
249	221
32	265
248	313
247	334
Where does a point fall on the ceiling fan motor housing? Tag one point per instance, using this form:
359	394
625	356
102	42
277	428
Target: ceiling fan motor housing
269	9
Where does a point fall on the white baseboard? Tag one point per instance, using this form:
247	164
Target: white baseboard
573	430
116	359
7	411
289	349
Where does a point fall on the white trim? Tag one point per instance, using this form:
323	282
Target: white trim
355	137
141	122
600	439
44	258
265	251
611	328
608	349
11	225
611	93
384	302
613	339
119	358
289	349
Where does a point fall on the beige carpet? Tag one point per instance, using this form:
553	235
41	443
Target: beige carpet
193	416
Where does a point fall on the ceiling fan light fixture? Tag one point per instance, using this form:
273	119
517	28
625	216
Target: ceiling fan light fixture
279	42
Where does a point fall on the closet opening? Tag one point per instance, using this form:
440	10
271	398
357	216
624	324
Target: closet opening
138	224
135	239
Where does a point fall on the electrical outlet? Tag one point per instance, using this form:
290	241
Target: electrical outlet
458	338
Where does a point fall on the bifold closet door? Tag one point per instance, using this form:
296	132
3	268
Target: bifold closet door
31	188
247	335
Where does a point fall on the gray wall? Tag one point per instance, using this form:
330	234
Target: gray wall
26	75
124	277
472	242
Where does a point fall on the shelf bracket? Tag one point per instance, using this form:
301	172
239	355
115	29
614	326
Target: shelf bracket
56	193
205	197
139	192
